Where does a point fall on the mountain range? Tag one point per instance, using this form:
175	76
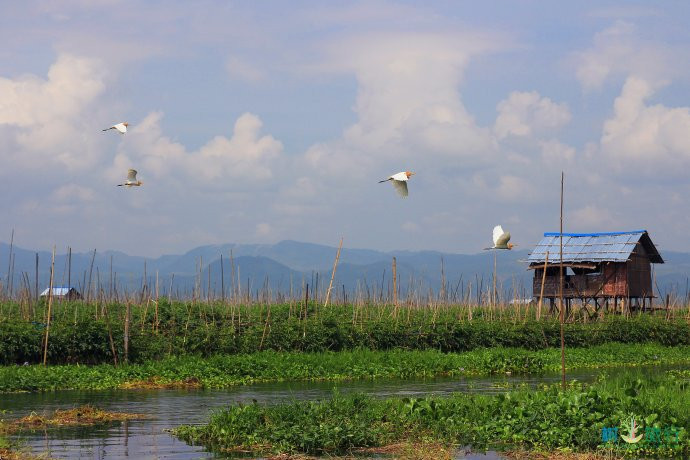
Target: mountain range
287	266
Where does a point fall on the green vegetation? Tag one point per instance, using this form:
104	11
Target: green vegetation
227	370
81	332
547	419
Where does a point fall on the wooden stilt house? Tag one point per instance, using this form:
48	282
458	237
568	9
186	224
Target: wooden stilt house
603	268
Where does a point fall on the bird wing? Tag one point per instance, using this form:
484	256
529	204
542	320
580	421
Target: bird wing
121	127
498	231
132	175
399	176
400	187
502	241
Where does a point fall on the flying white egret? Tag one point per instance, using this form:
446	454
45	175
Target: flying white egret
121	127
399	181
501	239
131	179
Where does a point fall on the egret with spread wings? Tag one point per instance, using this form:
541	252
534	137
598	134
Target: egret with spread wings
399	181
120	127
131	179
501	239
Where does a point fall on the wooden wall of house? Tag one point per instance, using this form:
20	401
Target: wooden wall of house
639	273
616	279
610	279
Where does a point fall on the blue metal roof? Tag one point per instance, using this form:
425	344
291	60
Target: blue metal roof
593	247
633	232
57	291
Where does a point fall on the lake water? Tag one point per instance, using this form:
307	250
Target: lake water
147	439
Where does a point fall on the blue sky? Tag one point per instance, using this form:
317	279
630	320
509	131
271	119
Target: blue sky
255	122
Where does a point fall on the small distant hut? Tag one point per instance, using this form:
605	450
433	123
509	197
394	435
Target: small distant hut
65	293
604	268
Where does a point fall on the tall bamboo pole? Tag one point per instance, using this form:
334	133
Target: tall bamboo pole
36	282
335	266
69	267
543	280
126	338
494	294
222	280
50	304
395	287
9	267
561	290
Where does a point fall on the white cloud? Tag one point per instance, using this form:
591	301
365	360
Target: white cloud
528	114
620	50
74	192
554	152
653	136
46	119
73	83
407	100
513	188
244	158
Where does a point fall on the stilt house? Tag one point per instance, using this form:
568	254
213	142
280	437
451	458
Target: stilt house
603	268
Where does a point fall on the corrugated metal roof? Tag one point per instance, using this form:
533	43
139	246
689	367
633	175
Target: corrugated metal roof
593	247
57	291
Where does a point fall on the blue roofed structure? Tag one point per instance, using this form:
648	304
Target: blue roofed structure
66	292
598	267
594	247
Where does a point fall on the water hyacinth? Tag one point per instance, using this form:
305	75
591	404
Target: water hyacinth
545	420
269	366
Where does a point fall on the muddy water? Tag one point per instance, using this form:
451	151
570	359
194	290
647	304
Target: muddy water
143	439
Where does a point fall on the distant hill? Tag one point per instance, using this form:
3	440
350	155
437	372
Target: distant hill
286	266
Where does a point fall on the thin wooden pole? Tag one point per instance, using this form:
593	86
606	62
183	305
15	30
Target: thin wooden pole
156	319
69	267
110	332
93	258
222	280
126	338
232	276
36	282
543	280
493	293
50	305
395	286
9	267
335	266
561	290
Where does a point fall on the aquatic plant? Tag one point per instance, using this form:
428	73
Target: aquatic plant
546	419
226	370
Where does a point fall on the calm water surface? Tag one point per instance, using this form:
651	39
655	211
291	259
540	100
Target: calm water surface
147	439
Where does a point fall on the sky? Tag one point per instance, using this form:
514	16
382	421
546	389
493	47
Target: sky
256	122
